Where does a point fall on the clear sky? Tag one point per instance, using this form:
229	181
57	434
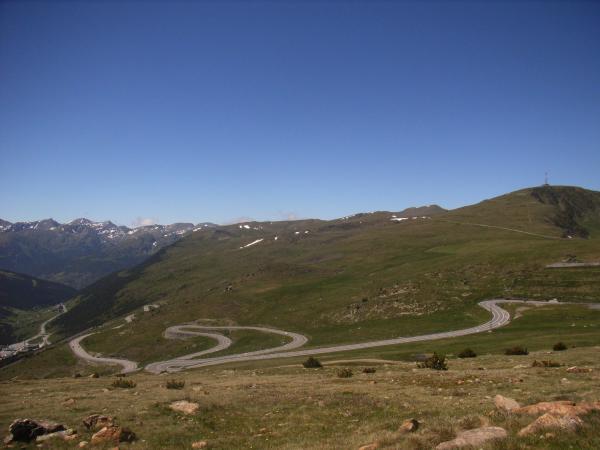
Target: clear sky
192	111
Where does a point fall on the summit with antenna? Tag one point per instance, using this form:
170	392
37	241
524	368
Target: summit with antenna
546	179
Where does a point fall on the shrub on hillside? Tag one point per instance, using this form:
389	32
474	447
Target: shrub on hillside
123	383
435	362
559	347
516	350
467	353
312	363
175	384
369	370
344	373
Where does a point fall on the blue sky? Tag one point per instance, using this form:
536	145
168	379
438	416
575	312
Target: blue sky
214	111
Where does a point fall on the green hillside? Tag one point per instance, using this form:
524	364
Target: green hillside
357	278
21	299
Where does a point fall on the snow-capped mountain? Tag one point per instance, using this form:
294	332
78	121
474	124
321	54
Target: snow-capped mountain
79	252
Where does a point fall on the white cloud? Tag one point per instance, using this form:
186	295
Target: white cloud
241	219
289	215
143	221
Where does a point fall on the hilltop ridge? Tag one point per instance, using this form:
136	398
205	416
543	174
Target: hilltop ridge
334	277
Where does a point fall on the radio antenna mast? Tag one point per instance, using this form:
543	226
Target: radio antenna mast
546	179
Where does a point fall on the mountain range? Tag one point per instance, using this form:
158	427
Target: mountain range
362	275
82	251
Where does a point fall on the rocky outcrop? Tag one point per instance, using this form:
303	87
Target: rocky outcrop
27	430
474	438
373	446
184	406
98	421
505	403
549	421
113	434
576	369
66	435
409	426
559	408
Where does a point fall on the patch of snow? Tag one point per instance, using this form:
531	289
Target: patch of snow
276	237
297	232
252	243
398	219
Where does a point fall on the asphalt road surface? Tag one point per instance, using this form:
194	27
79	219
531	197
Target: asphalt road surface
500	317
75	344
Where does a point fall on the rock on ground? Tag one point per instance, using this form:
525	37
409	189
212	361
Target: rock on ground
409	426
576	369
66	435
373	446
184	406
506	403
559	408
26	430
200	444
113	434
98	421
473	438
552	422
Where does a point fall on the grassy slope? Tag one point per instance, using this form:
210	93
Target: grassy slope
24	303
289	407
347	280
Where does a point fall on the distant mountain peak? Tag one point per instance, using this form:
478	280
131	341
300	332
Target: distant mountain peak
22	242
81	221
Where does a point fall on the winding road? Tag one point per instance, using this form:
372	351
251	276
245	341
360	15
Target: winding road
75	344
500	317
42	333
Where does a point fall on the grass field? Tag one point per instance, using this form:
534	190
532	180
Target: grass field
288	407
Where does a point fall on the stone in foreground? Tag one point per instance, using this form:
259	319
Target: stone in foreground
373	446
409	426
505	403
98	421
184	406
473	438
26	430
548	421
113	434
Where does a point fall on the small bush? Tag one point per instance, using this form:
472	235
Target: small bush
559	347
312	363
344	373
435	362
517	350
123	383
175	384
369	370
547	363
467	353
